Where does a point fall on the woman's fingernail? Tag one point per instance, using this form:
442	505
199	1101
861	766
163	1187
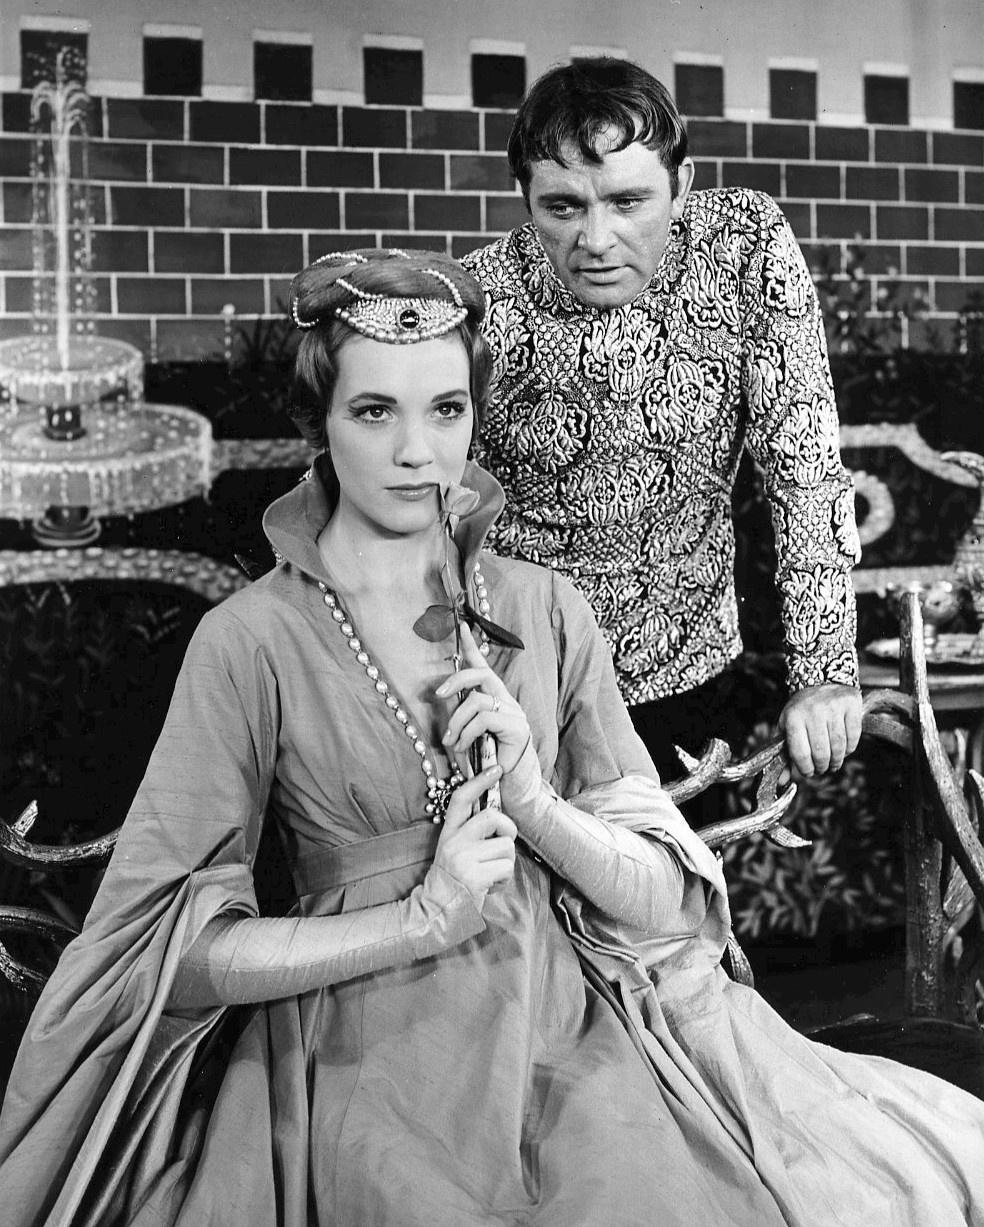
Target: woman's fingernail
441	690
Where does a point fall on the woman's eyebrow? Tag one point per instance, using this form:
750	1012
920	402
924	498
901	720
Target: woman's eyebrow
374	396
448	395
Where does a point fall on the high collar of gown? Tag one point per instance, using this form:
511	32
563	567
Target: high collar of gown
293	522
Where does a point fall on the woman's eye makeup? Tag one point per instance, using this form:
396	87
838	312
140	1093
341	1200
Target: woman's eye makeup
452	408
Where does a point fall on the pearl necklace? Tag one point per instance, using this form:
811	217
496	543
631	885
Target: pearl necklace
439	789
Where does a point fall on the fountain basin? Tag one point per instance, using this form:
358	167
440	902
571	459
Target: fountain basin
32	371
131	458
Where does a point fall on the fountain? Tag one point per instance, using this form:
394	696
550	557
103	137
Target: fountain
76	440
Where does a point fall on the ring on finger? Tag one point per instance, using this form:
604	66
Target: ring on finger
496	704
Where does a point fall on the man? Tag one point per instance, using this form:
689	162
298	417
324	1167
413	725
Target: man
643	334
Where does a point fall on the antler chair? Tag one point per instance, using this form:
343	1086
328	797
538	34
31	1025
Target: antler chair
942	1013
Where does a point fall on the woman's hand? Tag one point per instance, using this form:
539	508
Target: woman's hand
487	707
479	849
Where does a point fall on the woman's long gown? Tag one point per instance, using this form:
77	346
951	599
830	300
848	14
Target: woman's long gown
555	1070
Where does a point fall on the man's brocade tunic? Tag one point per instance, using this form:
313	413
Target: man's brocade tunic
617	434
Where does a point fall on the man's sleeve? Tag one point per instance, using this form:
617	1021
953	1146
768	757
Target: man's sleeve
793	435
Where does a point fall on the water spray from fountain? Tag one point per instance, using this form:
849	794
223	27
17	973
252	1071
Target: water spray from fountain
76	440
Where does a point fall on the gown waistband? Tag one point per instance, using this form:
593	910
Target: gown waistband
332	867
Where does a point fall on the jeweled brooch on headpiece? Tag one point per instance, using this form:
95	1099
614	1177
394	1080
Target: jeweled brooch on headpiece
402	321
397	321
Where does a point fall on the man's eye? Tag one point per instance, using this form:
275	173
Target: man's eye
561	210
628	203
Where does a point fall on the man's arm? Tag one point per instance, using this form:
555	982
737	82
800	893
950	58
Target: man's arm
793	435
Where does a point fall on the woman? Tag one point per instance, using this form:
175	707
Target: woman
476	1015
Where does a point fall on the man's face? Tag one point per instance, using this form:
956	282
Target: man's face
604	226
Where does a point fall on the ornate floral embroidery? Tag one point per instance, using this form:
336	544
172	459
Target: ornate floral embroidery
617	435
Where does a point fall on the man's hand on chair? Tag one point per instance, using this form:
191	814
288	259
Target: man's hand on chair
822	725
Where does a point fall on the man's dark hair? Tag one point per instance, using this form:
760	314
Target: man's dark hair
574	104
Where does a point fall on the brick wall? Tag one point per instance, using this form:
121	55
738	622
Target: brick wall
200	203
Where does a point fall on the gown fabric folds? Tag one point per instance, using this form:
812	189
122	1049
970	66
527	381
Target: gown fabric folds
555	1069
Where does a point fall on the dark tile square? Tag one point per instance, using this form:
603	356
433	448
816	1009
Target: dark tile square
411	170
498	80
446	212
302	210
274	166
133	206
341	169
365	128
282	71
504	213
16	112
15	157
841	144
444	130
760	176
797	213
413	241
699	89
178	251
781	141
872	183
901	145
145	118
964	225
886	100
932	261
902	222
181	340
18	204
707	172
16	250
228	210
813	182
118	160
497	128
210	294
792	93
225	121
377	210
836	221
958	149
187	163
120	251
266	253
392	76
724	139
968	104
300	125
173	66
39	51
463	244
932	185
974	187
480	171
151	295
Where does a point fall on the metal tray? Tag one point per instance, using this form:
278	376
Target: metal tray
948	652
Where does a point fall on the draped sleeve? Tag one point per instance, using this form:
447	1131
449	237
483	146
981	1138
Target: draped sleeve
603	769
101	1059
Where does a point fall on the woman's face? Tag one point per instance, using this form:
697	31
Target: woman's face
399	425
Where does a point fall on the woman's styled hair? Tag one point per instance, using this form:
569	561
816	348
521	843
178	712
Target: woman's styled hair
576	104
322	294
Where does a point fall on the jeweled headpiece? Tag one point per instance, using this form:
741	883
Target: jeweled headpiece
391	319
